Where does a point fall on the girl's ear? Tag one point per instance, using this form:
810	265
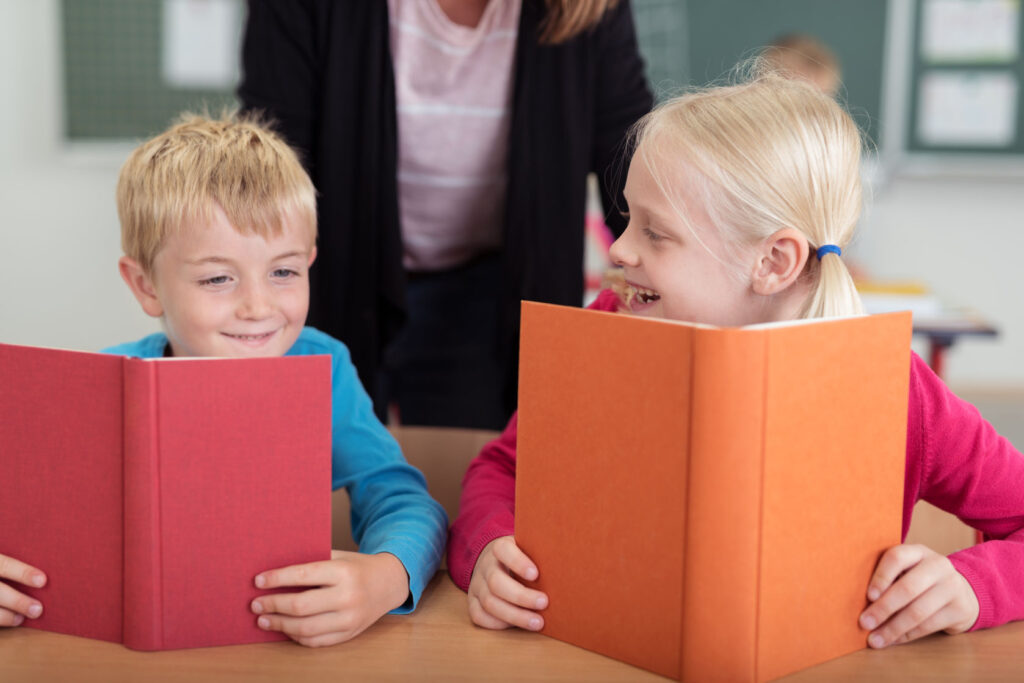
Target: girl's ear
781	259
141	284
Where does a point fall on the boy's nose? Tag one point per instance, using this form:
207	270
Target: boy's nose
254	304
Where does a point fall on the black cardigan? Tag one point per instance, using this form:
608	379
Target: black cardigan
322	69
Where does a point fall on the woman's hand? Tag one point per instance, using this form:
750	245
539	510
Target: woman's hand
916	591
497	599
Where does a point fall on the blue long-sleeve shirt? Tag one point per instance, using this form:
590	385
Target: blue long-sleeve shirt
390	507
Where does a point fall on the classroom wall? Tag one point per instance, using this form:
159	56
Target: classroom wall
59	239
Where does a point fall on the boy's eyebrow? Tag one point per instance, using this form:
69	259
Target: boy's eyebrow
291	254
223	259
208	259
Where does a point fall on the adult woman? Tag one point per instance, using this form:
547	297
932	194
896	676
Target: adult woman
340	76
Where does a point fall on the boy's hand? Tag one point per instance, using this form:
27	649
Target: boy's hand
351	592
15	606
916	591
496	598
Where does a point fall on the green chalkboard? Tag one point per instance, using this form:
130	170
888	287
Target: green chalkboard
695	42
113	87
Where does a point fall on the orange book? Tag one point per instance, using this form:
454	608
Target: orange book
709	503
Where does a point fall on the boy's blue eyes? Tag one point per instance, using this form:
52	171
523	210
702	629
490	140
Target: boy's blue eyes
277	274
218	280
285	272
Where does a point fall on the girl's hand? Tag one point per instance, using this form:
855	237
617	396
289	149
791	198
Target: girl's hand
352	591
15	606
496	598
916	591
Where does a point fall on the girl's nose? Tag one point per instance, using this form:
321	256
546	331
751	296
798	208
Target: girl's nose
621	252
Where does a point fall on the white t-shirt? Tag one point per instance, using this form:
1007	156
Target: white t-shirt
453	86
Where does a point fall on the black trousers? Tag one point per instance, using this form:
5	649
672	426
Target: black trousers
443	369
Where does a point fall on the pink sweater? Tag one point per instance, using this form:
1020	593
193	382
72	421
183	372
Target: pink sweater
955	460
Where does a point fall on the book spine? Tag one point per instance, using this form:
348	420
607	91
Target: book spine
724	493
143	600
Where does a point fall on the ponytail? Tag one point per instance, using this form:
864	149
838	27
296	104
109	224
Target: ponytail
834	293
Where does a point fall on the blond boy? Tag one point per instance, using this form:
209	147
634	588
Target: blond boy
218	227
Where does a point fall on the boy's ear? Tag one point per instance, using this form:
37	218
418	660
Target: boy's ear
781	260
312	257
141	284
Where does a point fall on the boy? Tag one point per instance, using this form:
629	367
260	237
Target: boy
218	227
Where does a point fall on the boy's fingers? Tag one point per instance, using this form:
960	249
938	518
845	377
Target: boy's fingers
508	589
510	614
508	553
894	562
299	627
9	618
25	574
304	604
19	603
310	574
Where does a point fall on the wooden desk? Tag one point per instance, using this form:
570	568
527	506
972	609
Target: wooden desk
439	643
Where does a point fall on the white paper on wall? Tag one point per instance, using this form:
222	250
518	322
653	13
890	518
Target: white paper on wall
977	31
201	43
967	108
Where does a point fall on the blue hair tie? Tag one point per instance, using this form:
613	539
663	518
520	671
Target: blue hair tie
829	249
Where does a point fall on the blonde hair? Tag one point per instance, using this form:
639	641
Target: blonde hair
566	19
179	177
769	154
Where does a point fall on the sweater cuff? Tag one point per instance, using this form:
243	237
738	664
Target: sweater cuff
502	524
419	566
985	608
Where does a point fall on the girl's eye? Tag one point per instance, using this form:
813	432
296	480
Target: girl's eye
652	236
216	280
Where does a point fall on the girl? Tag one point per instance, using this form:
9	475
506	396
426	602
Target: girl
741	200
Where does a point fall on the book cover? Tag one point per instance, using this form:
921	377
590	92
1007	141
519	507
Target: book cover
709	503
152	492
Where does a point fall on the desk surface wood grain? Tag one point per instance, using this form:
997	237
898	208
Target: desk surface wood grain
439	643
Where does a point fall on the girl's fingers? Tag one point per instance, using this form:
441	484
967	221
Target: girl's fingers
920	577
481	617
505	587
508	553
894	562
509	613
912	619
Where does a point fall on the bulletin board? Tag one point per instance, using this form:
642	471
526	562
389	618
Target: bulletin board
967	77
117	83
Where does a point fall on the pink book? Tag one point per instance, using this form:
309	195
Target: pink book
152	492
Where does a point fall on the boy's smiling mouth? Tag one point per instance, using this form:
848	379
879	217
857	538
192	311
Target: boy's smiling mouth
250	338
